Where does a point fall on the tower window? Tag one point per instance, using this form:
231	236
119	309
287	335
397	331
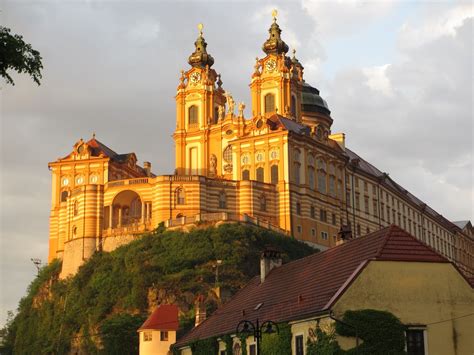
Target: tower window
76	208
64	195
193	115
293	106
269	103
263	203
245	174
260	174
274	173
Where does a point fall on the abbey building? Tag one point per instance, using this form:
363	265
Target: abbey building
282	168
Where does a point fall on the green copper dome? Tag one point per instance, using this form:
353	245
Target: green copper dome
274	44
200	57
312	102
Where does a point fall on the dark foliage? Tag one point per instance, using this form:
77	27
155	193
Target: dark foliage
165	266
19	56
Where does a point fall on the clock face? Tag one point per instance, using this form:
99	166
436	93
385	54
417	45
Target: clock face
195	77
270	65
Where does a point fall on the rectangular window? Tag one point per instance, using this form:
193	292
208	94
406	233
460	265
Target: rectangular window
164	335
366	205
324	236
374	190
312	212
299	229
313	232
323	215
298	208
415	342
357	202
252	349
299	345
334	218
348	198
147	336
375	208
366	186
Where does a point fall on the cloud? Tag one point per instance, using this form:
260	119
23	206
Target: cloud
377	79
145	31
342	17
439	21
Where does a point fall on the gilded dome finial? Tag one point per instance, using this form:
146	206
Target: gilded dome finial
274	44
200	57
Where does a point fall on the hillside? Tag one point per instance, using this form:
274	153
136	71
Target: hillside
99	309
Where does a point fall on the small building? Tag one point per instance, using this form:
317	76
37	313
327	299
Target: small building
158	332
388	270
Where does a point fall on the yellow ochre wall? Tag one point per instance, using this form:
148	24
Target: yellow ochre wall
156	346
419	294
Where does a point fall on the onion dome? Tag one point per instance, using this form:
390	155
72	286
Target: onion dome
200	58
312	102
274	44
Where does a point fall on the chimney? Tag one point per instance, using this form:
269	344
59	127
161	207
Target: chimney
200	308
344	234
269	259
147	167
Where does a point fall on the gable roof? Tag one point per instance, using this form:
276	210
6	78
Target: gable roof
164	317
311	285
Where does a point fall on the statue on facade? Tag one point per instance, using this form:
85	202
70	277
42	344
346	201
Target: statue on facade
213	164
230	102
241	109
221	112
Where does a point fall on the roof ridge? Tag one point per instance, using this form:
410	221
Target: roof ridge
386	238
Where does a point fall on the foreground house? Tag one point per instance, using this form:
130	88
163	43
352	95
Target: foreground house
158	332
387	270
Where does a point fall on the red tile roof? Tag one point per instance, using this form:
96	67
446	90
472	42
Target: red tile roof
311	285
165	317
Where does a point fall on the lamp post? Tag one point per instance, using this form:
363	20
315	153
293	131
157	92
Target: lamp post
246	327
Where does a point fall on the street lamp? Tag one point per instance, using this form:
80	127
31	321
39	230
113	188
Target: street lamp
246	328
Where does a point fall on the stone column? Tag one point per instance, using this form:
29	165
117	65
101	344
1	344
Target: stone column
119	224
143	212
111	214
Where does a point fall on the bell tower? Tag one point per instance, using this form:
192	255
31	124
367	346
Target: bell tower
200	103
277	81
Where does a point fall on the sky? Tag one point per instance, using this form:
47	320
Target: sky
397	76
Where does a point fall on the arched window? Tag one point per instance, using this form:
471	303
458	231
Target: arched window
260	174
321	176
193	115
263	203
180	196
227	155
222	200
274	173
74	232
269	103
76	208
293	106
64	196
246	174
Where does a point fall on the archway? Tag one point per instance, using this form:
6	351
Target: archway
126	209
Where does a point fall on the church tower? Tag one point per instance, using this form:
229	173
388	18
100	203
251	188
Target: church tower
200	103
277	81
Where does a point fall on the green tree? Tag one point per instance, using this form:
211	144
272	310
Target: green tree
17	55
119	334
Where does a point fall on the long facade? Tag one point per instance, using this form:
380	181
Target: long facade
282	168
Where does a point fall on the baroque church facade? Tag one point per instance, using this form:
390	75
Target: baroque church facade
281	169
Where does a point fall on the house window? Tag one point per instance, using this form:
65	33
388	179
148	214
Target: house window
357	201
298	208
164	335
313	232
299	229
222	200
366	205
311	178
299	345
269	103
245	174
193	115
334	218
415	342
348	198
147	336
180	196
260	174
321	176
358	229
313	212
324	236
274	173
252	349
